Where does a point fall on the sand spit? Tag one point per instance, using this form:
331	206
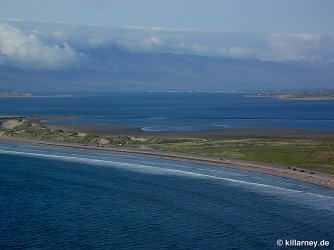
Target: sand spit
315	178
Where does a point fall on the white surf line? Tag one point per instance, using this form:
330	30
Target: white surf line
197	168
32	149
221	171
86	160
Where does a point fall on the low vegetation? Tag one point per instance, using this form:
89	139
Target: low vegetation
310	154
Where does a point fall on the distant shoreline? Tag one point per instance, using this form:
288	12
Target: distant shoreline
28	95
296	96
297	174
34	96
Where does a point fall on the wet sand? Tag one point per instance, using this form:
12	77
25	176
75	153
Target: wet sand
274	170
222	133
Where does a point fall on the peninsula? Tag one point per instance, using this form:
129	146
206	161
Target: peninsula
305	159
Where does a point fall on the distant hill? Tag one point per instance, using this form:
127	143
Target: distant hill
115	69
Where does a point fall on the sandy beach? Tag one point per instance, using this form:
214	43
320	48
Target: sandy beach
270	169
315	178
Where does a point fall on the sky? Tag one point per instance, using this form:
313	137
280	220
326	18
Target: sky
57	34
275	16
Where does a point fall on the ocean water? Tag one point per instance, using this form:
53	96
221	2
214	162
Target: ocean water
53	198
179	111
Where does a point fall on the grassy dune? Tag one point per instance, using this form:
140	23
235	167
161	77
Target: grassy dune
310	154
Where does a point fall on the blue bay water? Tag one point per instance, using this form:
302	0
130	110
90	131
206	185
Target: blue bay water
73	199
54	198
179	111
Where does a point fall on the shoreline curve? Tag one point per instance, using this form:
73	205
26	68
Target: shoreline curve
316	178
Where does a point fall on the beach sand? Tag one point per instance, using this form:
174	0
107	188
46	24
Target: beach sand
270	169
273	170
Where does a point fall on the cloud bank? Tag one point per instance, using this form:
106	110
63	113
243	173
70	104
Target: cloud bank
58	46
25	50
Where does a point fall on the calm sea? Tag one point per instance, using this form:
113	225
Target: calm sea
71	199
179	111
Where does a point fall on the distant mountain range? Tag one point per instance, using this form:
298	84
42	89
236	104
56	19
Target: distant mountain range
108	69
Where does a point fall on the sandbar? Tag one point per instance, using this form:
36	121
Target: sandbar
315	178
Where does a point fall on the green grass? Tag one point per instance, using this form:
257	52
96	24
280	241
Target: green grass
311	154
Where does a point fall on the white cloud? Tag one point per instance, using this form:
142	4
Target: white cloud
300	47
56	45
155	40
198	48
149	43
59	35
238	52
27	51
181	45
283	48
